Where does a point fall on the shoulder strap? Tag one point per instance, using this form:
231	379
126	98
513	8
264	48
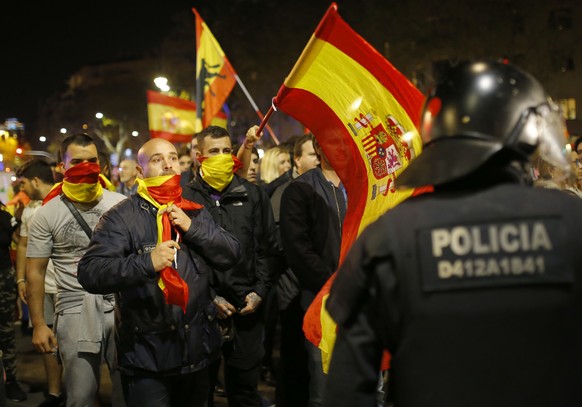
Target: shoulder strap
77	216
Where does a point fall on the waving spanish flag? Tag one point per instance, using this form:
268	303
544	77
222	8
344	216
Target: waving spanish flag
364	114
170	117
215	76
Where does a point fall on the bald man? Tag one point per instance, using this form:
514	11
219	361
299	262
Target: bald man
127	177
166	338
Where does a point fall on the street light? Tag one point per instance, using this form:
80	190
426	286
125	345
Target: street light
99	115
63	130
135	133
162	83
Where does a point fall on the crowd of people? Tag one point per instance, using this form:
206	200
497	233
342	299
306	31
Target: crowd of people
205	255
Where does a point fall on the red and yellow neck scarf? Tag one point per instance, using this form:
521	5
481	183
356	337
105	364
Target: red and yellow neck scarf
161	192
82	183
218	170
108	185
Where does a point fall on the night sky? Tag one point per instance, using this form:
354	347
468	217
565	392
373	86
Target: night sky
43	45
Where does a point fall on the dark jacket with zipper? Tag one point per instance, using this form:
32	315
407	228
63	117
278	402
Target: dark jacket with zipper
476	293
244	210
152	337
312	215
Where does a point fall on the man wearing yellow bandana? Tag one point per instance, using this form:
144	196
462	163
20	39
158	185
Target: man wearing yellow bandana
84	322
155	251
244	210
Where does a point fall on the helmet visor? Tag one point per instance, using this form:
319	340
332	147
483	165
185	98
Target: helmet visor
544	126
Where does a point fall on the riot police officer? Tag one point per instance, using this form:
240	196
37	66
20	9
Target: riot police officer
475	289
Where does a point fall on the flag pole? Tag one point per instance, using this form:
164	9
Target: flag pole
264	119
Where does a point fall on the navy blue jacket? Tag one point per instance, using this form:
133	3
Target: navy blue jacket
153	337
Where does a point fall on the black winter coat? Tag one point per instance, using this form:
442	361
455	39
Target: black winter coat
477	295
312	216
153	337
244	210
6	231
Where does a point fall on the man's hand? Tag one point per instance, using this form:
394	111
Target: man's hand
252	137
21	286
163	254
225	308
44	339
178	217
252	301
18	211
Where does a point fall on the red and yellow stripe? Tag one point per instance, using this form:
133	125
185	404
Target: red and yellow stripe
364	113
171	118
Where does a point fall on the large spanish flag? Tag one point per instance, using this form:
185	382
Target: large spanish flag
364	114
170	117
215	76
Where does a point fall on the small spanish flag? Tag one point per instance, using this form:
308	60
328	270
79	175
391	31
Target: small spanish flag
170	117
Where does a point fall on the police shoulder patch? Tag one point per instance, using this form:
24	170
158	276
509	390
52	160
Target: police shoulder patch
514	252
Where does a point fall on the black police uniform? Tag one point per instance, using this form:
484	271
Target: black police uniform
475	289
476	295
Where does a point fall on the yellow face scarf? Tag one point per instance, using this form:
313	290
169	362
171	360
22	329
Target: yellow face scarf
218	170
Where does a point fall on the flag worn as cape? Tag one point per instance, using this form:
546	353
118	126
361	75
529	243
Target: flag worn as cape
364	113
170	117
215	76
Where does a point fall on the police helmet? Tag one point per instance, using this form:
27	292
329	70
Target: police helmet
478	109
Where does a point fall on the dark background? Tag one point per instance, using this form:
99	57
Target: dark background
43	44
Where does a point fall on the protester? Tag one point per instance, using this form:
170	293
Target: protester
185	161
60	230
270	311
577	149
313	208
36	179
190	174
304	159
548	175
166	338
465	285
252	171
243	209
127	177
105	165
8	306
274	168
292	374
246	149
